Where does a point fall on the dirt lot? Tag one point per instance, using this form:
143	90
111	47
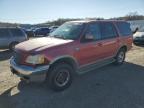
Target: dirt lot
107	87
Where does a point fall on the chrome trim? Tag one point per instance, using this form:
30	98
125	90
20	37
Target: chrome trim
27	70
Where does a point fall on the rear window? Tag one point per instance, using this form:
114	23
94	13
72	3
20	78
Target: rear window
16	32
124	28
4	33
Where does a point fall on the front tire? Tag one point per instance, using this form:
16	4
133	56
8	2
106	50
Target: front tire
60	77
120	57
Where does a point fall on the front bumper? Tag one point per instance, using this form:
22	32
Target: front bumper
29	73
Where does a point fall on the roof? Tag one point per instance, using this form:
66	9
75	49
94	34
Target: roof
87	21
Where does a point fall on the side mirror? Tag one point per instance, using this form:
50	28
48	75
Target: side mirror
135	30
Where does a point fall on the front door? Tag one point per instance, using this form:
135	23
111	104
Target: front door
90	48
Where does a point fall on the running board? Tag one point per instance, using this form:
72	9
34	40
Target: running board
91	67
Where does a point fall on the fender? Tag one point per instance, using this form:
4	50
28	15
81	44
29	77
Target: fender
74	61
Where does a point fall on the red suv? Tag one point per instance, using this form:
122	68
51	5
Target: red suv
75	47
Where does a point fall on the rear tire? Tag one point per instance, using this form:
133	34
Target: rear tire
60	77
120	57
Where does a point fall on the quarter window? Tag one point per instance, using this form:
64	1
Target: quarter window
124	28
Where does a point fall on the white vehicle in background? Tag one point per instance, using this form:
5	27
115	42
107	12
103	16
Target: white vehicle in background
138	37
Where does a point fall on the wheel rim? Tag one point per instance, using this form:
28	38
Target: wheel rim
62	78
121	57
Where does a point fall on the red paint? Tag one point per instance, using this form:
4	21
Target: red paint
87	53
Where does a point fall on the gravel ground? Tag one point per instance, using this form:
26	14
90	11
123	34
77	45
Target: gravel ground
107	87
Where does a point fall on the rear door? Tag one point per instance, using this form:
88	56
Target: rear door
5	38
109	39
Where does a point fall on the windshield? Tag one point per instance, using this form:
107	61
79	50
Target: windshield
68	31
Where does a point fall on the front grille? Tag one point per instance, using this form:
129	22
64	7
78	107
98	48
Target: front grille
17	57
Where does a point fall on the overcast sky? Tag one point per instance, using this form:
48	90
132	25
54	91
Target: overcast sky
39	11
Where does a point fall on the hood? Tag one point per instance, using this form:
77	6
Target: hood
138	34
40	44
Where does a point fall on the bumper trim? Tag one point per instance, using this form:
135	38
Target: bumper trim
27	70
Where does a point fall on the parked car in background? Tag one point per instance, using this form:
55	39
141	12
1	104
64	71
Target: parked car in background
138	37
75	47
43	31
29	32
9	37
53	28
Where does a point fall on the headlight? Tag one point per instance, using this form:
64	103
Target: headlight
35	59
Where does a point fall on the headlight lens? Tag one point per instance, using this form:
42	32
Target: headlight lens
35	59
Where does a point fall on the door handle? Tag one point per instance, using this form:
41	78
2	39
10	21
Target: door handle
77	49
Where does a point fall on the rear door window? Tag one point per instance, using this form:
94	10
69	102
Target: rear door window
16	32
124	28
4	33
108	30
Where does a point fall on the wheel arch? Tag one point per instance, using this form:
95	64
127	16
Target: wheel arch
13	42
65	59
123	47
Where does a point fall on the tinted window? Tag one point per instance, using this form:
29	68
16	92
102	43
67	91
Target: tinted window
108	30
92	33
124	28
16	32
45	29
4	33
